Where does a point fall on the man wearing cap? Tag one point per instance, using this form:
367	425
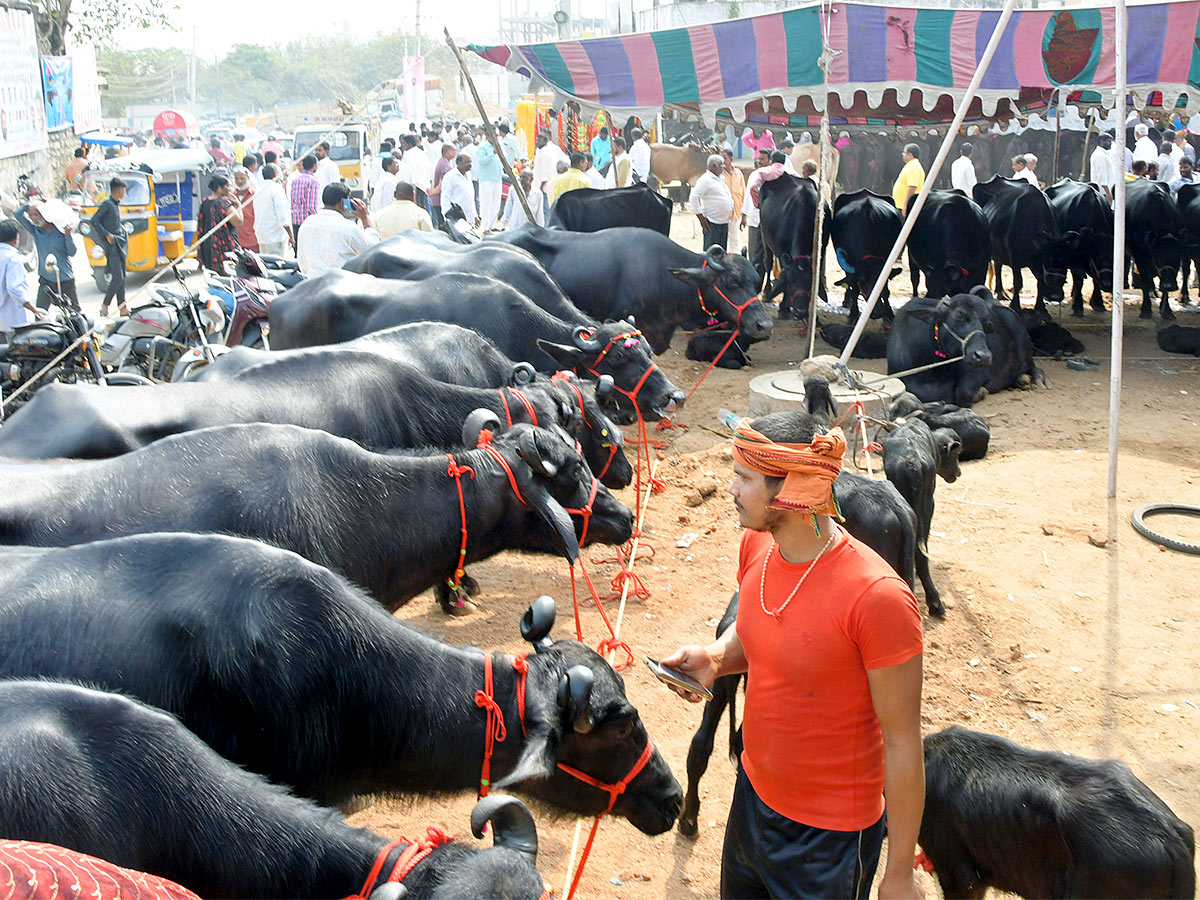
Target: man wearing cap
830	639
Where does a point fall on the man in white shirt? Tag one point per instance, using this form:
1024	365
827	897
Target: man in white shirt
16	306
788	147
639	155
545	166
712	203
385	150
327	170
750	220
595	179
1030	173
415	167
514	214
433	147
272	216
457	189
1145	148
1166	165
385	188
1102	166
328	240
620	173
403	214
962	172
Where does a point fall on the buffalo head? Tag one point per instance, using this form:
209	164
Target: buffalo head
1055	254
960	325
727	287
577	715
601	441
619	350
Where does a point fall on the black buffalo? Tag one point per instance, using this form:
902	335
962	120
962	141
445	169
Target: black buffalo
1040	824
865	226
1081	209
1188	203
993	345
367	397
1179	339
404	258
949	245
622	272
871	344
1048	337
458	356
1025	235
108	776
289	670
338	306
972	429
588	209
1154	238
787	208
363	514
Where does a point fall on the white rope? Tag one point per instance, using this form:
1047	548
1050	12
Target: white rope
824	188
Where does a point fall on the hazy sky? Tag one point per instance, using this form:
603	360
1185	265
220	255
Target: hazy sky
222	23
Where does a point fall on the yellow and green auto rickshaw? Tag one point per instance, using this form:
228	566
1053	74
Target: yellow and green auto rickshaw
164	189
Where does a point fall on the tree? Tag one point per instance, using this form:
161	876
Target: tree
94	21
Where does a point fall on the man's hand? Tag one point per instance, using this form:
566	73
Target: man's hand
109	238
743	222
67	231
360	212
901	887
695	662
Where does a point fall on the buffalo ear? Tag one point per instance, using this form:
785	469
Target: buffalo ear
1040	240
1071	239
567	357
925	314
785	259
537	761
696	277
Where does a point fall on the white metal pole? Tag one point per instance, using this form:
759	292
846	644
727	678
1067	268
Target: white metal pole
1118	306
936	167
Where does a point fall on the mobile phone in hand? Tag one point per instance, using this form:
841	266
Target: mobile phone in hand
678	679
347	206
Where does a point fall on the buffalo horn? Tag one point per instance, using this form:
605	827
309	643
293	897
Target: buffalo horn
583	340
522	373
716	258
604	386
476	422
527	449
537	621
575	697
632	322
393	890
512	824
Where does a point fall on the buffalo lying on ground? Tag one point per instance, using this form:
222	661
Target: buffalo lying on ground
113	778
266	657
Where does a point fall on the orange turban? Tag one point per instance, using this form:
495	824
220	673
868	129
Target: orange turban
808	470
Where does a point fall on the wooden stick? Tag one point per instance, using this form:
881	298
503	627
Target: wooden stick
514	183
571	858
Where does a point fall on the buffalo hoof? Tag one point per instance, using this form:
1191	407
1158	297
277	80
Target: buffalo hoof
980	395
1098	305
1077	311
469	585
688	826
1167	315
460	608
935	606
1145	313
1041	379
1025	383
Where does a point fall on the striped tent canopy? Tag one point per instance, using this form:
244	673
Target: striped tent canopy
917	56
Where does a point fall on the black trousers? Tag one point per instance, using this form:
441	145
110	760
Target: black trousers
768	855
754	250
116	277
46	290
717	234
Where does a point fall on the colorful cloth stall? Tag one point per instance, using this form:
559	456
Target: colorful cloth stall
907	60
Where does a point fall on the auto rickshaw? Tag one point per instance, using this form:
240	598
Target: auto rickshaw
164	190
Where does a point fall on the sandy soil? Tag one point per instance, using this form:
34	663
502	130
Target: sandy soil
1066	630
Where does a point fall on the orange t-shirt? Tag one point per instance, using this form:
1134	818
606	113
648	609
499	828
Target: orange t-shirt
813	745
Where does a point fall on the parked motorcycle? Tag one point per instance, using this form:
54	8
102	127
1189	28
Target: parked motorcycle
53	343
246	293
168	337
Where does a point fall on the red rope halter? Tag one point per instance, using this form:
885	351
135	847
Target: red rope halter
412	854
611	446
533	419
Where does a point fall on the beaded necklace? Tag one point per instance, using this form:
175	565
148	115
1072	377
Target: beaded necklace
762	577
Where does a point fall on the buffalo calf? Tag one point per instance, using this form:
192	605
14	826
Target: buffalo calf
1179	339
972	429
1046	824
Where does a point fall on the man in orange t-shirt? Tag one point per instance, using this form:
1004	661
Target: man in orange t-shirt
831	640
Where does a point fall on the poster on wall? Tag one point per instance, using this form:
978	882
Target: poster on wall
22	115
56	83
86	90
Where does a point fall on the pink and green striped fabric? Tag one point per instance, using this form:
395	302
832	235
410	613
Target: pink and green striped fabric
875	48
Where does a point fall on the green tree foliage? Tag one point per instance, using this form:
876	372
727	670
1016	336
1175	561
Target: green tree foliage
252	78
93	21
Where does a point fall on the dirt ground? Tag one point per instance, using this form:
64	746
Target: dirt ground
1066	630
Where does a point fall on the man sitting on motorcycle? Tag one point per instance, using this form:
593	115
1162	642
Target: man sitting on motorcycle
15	305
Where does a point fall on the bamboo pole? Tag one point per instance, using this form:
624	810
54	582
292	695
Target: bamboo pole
1058	107
514	183
936	167
1118	306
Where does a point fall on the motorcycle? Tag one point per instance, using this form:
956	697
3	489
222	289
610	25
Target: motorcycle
166	338
57	348
246	292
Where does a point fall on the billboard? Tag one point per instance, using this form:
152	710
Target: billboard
22	114
86	91
59	94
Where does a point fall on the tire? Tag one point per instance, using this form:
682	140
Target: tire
102	280
1178	509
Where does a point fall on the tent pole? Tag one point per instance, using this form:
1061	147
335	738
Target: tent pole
919	200
514	183
1057	135
1118	306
